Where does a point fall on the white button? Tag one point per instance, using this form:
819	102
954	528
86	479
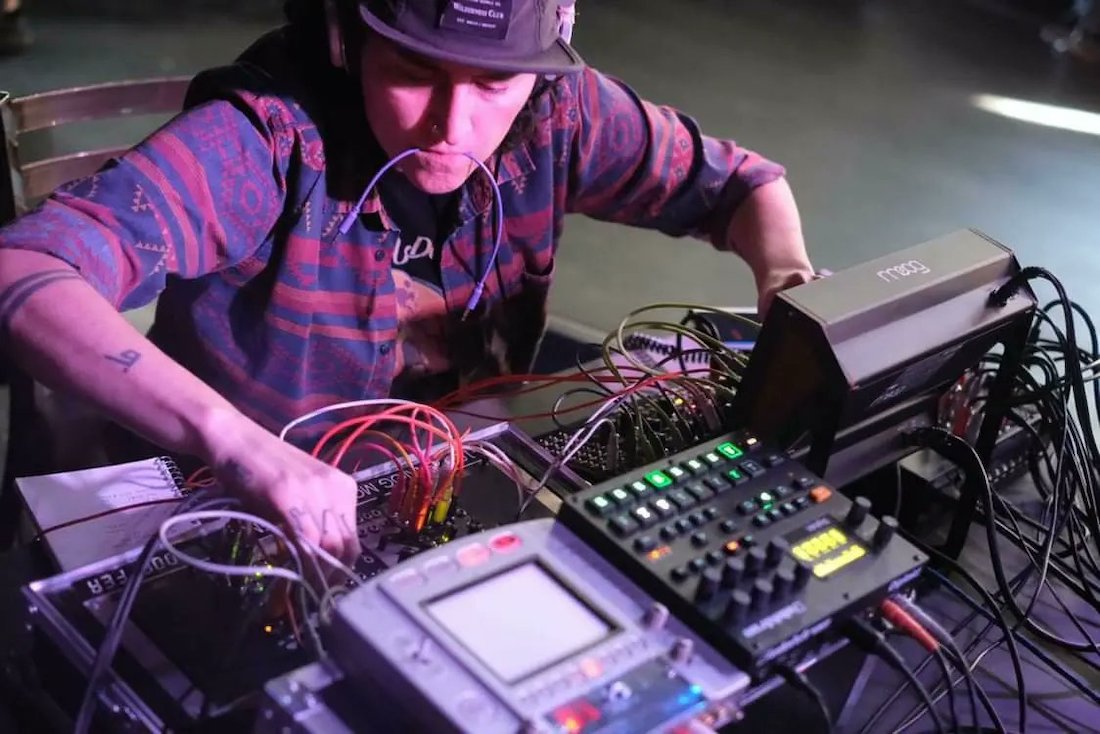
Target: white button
439	567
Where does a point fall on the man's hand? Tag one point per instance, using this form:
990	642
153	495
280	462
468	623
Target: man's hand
766	232
773	283
312	499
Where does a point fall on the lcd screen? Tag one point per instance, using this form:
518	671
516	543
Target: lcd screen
519	621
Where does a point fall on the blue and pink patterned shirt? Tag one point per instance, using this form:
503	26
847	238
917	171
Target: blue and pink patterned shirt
229	213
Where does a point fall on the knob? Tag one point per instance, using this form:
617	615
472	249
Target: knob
858	512
655	617
783	582
777	551
709	583
755	559
733	572
738	607
762	591
887	526
801	575
682	650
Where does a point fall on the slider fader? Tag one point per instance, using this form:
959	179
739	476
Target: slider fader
758	555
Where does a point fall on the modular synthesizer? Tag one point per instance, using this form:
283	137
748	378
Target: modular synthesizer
749	548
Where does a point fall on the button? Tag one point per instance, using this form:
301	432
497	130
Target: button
658	479
732	547
714	557
591	667
644	544
622	525
407	580
712	458
681	499
699	491
736	476
761	521
765	498
698	518
782	491
805	482
620	496
801	575
733	571
644	516
802	502
699	539
711	513
683	525
729	450
669	532
773	459
505	542
820	494
599	505
439	567
677	473
679	573
728	526
474	708
748	541
640	489
697	564
718	484
774	515
787	508
379	254
472	555
783	582
384	349
696	467
747	507
887	526
752	468
663	507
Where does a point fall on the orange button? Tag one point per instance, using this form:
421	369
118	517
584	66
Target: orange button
732	547
820	494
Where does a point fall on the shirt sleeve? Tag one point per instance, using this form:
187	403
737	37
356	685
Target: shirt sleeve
198	195
641	164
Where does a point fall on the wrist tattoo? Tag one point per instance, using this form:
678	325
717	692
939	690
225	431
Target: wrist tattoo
127	358
15	295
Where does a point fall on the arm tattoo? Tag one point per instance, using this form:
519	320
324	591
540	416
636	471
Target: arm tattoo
15	295
127	359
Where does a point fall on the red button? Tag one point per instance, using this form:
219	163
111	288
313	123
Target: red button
472	555
505	543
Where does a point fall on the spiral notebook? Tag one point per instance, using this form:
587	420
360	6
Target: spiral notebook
88	515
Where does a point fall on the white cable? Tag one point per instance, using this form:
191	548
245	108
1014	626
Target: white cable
227	570
312	548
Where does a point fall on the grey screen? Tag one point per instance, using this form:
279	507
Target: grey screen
519	621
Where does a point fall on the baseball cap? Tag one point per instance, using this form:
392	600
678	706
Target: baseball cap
519	36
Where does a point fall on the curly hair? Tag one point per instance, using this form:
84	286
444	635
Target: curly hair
307	24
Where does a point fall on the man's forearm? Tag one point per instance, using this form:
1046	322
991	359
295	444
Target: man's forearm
766	232
61	331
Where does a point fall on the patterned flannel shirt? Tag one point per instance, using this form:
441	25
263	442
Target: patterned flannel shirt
229	213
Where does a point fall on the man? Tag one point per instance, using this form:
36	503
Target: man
278	296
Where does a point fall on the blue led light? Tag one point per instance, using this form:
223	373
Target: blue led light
697	690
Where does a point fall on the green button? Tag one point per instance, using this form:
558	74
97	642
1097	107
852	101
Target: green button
735	475
766	497
729	450
658	479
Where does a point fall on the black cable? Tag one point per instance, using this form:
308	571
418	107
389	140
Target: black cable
800	682
941	660
112	637
994	613
872	641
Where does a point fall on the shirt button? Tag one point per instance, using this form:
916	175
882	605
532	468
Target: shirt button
379	254
384	349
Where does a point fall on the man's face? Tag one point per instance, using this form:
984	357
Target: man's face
442	108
